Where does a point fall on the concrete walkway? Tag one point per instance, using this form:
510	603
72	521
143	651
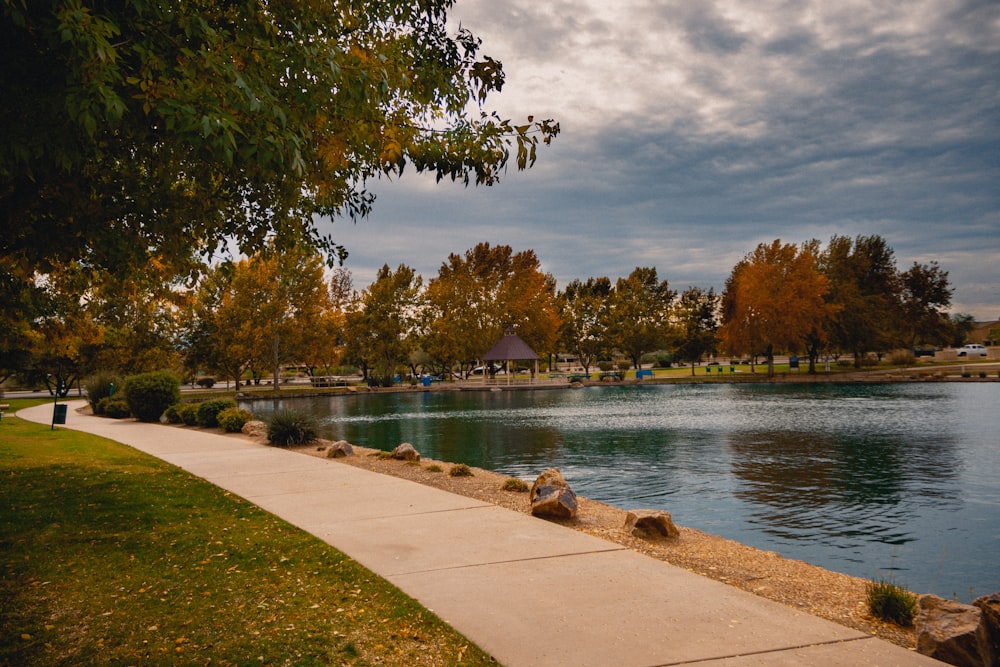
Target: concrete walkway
527	591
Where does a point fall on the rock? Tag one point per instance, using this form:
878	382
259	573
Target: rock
650	524
989	628
948	631
549	477
551	496
406	452
255	429
339	449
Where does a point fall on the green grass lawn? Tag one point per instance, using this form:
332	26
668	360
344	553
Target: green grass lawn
110	556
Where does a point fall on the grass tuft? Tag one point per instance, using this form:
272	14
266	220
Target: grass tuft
516	485
460	470
890	602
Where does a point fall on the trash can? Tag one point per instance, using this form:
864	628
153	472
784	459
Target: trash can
59	413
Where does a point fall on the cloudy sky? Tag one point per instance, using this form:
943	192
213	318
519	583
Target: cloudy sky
692	131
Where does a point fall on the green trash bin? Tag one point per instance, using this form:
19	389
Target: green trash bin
59	414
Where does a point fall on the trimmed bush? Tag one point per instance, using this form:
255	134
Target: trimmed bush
206	383
208	411
231	420
287	427
189	414
98	386
149	395
889	602
114	407
173	413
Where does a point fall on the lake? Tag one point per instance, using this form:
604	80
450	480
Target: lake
894	481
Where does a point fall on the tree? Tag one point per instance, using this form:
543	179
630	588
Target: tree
140	317
962	325
925	294
639	319
864	286
138	129
383	326
775	300
697	325
321	343
67	339
476	297
583	308
215	337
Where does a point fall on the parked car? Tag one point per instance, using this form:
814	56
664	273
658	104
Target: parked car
973	350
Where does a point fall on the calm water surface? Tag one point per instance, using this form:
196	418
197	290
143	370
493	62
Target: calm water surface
893	481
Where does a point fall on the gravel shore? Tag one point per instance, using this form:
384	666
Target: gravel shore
831	595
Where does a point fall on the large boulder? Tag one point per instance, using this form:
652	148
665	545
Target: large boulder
406	452
650	524
949	631
551	496
989	628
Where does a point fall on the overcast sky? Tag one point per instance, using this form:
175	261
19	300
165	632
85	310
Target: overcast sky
692	131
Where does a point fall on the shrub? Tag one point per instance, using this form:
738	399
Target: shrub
902	358
287	427
434	468
664	361
889	602
208	411
232	419
605	366
624	365
189	414
173	413
515	484
148	395
114	407
206	383
460	470
99	386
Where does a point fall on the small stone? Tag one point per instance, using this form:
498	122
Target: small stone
339	449
406	452
551	496
650	524
255	429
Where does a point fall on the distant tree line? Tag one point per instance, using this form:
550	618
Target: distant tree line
249	319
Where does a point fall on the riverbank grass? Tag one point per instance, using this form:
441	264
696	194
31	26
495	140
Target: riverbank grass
888	601
112	556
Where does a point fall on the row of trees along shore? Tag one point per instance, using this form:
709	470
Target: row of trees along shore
256	316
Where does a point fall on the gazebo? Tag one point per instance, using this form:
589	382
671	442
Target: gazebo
510	348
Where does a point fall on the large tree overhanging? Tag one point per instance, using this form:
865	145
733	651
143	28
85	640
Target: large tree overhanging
135	128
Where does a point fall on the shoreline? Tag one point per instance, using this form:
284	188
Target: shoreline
882	376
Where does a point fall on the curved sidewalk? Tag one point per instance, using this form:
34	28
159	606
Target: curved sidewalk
527	591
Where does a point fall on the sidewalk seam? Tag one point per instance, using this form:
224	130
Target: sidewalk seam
733	656
511	560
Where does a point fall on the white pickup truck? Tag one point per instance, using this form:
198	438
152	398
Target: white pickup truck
973	350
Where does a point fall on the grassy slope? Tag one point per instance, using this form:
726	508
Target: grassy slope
110	556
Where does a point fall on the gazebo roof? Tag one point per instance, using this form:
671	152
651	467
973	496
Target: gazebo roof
510	348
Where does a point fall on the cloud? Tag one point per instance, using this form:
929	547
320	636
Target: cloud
694	131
